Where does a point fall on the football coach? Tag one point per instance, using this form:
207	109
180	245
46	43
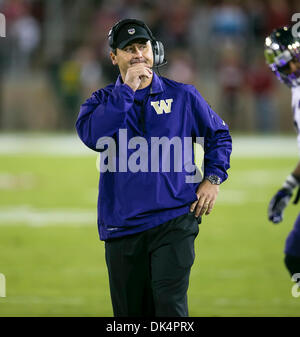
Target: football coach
149	219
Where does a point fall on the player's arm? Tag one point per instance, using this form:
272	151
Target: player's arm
283	196
296	172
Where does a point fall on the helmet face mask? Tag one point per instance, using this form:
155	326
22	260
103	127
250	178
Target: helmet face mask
281	48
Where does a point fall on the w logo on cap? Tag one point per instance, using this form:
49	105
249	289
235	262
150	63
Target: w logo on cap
131	31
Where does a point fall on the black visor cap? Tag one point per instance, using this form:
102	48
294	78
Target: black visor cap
130	32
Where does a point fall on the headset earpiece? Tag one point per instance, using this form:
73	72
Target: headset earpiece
158	53
110	39
161	53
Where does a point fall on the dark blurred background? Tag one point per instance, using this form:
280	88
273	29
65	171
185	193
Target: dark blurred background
56	54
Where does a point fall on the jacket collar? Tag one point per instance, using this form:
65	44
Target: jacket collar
156	85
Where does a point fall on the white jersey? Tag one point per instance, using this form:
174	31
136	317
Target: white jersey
296	110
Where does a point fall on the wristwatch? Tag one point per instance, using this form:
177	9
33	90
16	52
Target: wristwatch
213	179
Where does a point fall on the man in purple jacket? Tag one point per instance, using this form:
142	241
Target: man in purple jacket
150	196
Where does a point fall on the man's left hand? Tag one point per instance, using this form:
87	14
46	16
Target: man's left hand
207	194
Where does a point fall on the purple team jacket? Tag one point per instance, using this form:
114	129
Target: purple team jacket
131	202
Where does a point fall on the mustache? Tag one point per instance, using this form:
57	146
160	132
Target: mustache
138	61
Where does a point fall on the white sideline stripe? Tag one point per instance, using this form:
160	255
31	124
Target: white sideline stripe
33	217
39	300
50	217
253	178
238	197
265	147
70	145
58	145
232	197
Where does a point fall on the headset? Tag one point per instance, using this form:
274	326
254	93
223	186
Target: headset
157	46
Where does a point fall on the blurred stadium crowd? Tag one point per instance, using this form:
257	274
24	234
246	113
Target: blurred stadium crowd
56	54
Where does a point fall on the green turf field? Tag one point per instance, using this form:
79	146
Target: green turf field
54	262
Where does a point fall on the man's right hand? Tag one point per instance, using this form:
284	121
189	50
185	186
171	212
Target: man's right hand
135	75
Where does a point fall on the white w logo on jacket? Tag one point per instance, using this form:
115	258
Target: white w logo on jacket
162	106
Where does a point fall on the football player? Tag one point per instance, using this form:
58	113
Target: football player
282	54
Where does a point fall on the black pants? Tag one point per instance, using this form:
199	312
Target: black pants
149	271
292	263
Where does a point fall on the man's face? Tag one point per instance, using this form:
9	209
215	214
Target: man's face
139	51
